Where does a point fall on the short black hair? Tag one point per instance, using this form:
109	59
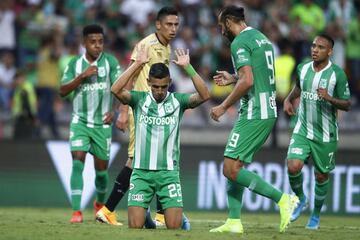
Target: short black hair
328	38
166	11
159	71
92	28
235	13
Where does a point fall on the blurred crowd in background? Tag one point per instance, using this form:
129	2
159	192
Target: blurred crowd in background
39	37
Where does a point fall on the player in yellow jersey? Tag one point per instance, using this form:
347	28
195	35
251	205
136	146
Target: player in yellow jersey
158	48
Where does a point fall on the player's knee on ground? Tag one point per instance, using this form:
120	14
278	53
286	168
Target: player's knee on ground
173	218
294	166
136	217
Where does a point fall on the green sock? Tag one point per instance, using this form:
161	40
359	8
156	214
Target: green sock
234	193
258	185
321	190
296	183
76	184
101	182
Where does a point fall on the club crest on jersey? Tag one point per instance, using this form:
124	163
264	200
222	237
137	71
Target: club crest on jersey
168	107
101	72
323	83
159	54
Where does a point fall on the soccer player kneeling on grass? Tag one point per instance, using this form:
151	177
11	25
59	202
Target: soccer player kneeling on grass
157	116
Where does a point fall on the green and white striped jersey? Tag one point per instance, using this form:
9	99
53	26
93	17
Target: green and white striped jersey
92	98
251	47
157	136
317	117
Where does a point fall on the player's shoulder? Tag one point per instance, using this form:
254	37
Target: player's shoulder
339	72
179	96
337	68
304	63
109	56
150	40
74	59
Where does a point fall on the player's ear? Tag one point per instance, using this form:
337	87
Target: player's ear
157	25
330	52
227	22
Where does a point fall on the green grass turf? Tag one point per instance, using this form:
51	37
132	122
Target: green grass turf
52	223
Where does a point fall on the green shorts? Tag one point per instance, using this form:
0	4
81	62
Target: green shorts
246	138
95	140
144	184
322	153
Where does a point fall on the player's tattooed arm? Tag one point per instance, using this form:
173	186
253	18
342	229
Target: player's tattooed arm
338	103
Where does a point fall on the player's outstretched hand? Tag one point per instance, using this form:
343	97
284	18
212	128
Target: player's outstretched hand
223	78
141	54
108	117
183	57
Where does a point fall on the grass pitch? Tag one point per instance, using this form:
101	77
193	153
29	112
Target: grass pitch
52	223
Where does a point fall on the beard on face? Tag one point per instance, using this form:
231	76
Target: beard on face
228	35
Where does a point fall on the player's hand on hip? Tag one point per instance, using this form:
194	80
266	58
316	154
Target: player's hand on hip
122	122
289	108
92	70
108	117
223	78
217	112
182	57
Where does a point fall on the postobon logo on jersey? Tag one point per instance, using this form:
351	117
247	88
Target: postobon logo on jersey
94	86
311	96
158	120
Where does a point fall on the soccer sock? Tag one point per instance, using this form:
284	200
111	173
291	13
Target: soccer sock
258	185
76	184
234	193
101	182
159	208
120	187
296	183
321	190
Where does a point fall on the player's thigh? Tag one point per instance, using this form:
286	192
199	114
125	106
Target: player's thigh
142	188
246	138
173	217
136	217
100	142
79	137
324	155
168	189
131	136
299	149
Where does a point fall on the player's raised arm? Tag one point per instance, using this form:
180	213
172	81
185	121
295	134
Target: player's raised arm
118	89
203	94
